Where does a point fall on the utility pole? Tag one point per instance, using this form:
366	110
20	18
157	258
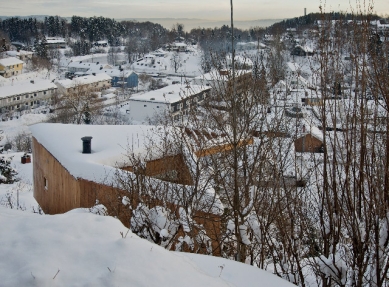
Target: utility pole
235	144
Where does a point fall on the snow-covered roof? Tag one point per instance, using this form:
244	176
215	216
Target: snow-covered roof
170	94
15	53
180	44
109	146
112	72
42	85
94	66
305	48
10	61
85	80
294	67
214	75
55	41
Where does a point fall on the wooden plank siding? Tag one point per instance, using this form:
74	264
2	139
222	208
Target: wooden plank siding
63	192
308	143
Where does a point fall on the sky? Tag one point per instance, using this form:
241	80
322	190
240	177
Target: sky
201	9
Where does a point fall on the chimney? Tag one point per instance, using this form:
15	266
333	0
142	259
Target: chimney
32	81
86	144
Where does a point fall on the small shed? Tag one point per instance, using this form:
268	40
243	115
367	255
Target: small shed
311	140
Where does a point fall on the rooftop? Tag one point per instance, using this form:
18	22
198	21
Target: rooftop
85	80
42	85
10	61
170	94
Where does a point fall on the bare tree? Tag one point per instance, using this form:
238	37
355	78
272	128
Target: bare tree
80	105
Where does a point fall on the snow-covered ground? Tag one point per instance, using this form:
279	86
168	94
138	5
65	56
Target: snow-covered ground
11	128
82	249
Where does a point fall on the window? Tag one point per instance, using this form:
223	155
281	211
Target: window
46	183
44	93
27	97
145	106
157	107
34	95
18	98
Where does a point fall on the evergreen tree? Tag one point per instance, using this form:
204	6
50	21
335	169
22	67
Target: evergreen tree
7	173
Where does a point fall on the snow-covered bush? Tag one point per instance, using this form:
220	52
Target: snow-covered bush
7	172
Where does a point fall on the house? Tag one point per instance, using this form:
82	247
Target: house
299	50
177	46
21	55
55	43
222	80
92	83
120	78
78	165
176	100
26	96
101	44
309	140
84	67
10	67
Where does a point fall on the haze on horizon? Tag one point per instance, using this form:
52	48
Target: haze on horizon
201	9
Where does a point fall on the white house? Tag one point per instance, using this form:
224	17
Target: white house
83	67
175	99
27	95
55	43
91	83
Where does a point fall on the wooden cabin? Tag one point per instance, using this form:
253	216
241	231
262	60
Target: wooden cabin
65	177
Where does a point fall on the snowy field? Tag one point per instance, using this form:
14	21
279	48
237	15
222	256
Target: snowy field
82	249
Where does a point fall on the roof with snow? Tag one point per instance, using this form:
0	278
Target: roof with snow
25	88
85	80
87	65
55	41
10	61
294	67
111	146
113	72
170	94
214	75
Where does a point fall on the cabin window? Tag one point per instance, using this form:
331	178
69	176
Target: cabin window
46	183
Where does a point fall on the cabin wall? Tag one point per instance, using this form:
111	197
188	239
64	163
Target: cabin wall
55	189
308	143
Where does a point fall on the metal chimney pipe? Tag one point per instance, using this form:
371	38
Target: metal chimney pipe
86	144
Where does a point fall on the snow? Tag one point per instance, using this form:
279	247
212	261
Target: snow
170	94
84	80
26	88
10	61
83	249
13	127
109	147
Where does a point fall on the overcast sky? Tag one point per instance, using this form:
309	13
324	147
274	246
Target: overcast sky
203	9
